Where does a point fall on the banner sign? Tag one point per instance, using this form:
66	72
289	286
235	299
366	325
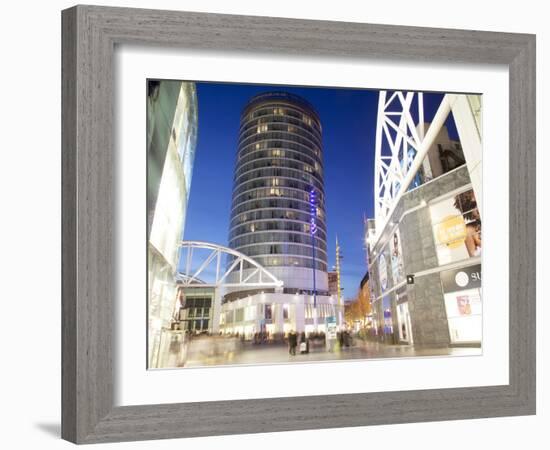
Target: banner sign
461	279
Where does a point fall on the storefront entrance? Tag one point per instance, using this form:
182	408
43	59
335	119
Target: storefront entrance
404	323
462	290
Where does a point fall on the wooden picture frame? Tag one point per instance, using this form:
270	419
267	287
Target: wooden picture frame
90	34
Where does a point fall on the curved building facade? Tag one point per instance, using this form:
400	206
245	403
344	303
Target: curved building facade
279	165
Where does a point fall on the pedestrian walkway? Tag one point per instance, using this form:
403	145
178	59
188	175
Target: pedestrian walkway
278	353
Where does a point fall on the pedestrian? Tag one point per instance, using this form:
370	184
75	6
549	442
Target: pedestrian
292	342
341	339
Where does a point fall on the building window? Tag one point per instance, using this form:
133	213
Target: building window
285	311
239	315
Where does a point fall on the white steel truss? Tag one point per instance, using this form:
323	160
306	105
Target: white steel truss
196	263
401	146
396	132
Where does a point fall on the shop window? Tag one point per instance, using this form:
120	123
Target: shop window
462	293
239	315
268	312
285	311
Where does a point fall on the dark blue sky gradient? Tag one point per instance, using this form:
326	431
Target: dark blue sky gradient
348	118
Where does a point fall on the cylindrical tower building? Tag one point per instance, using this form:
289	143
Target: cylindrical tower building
279	164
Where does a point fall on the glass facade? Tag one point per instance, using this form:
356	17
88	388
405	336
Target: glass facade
172	125
196	313
279	163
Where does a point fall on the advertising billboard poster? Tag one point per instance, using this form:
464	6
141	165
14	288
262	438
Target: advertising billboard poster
456	227
396	258
388	323
463	303
331	327
383	272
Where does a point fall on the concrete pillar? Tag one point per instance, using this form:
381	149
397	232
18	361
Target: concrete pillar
469	131
299	315
279	318
216	311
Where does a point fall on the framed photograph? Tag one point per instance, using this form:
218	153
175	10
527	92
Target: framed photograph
276	224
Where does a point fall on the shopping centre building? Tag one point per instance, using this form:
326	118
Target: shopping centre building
425	243
171	142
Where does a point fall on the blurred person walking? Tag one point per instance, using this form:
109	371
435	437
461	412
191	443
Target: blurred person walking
292	342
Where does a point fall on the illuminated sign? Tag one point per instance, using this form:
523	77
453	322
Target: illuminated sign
313	210
461	279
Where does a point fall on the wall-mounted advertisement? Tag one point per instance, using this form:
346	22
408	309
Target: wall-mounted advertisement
396	253
457	228
386	307
383	272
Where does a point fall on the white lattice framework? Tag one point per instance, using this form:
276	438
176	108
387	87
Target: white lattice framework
196	263
397	132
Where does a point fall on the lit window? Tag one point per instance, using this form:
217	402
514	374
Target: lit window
285	311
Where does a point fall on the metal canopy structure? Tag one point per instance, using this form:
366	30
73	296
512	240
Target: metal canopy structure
202	258
401	145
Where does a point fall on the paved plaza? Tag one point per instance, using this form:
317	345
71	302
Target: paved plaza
205	353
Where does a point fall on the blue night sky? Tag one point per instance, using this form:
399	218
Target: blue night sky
348	118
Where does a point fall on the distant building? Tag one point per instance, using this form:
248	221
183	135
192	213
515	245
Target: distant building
195	307
333	283
358	311
171	141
